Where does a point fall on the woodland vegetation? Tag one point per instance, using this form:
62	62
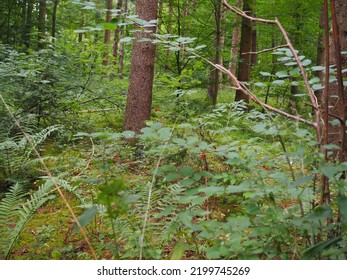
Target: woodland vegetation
173	129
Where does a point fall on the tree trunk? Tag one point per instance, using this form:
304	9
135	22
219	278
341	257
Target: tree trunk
139	102
42	24
107	37
338	93
116	33
235	42
122	46
320	53
28	23
215	75
245	49
54	18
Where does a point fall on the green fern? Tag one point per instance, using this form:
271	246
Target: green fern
9	208
20	213
16	152
15	211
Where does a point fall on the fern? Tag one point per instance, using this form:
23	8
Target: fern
16	152
15	211
21	213
9	207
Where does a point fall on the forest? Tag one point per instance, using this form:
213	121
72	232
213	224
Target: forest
173	130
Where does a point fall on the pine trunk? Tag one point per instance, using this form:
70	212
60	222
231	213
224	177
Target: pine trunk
139	102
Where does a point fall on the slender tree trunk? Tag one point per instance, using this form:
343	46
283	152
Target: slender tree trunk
107	37
23	20
245	49
122	46
28	23
235	42
42	24
116	33
215	75
54	18
80	35
139	102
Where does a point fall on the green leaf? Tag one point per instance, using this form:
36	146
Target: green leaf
260	84
306	62
186	171
282	74
342	203
86	218
128	134
295	71
172	177
179	250
314	251
329	170
302	181
126	39
317	68
266	74
187	182
278	82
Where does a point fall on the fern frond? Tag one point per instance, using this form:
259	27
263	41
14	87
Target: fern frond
25	212
9	207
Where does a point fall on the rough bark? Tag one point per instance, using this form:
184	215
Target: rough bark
245	49
337	92
139	102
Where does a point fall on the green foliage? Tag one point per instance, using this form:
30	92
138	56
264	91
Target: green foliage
16	153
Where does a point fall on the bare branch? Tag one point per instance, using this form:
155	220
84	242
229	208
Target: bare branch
267	50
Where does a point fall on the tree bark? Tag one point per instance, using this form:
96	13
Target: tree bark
122	46
28	23
116	34
139	102
215	74
235	42
54	18
245	49
42	24
337	92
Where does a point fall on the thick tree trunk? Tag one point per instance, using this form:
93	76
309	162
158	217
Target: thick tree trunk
139	102
245	49
337	92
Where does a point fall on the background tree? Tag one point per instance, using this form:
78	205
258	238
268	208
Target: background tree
244	68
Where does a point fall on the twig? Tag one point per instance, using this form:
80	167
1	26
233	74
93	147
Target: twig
267	50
